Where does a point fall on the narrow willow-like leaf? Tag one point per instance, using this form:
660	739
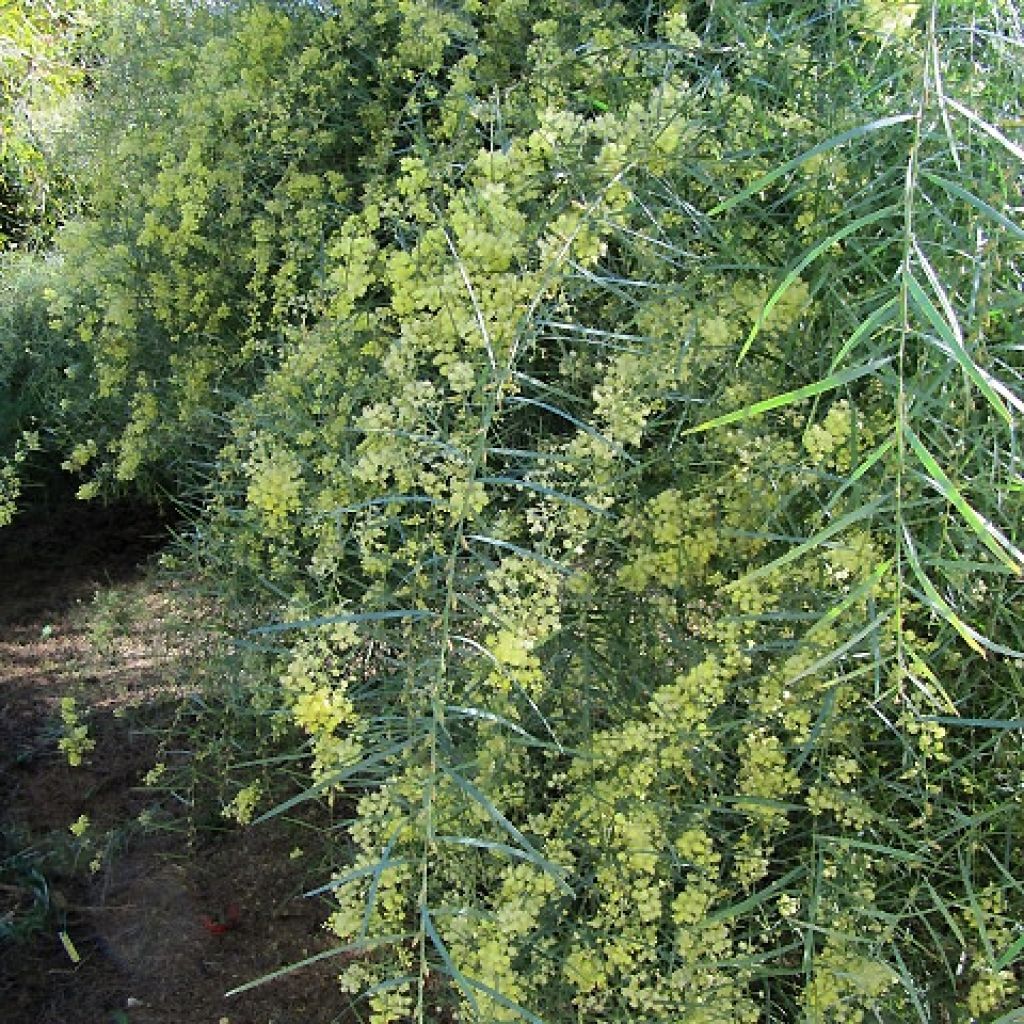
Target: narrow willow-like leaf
826	244
547	492
910	987
379	757
488	716
390	499
352	947
949	335
533	556
937	602
353	617
569	418
1015	1016
830	383
830	531
990	535
351	876
483	844
1012	952
531	852
849	843
465	982
854	596
884	314
759	184
375	877
1008	724
865	467
949	313
840	651
934	692
427	924
980	918
979	204
724	913
988	128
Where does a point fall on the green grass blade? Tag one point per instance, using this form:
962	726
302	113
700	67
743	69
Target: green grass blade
1011	724
882	315
351	876
518	483
460	979
865	467
735	909
375	877
534	556
353	617
380	757
834	655
937	602
468	984
988	128
352	947
864	512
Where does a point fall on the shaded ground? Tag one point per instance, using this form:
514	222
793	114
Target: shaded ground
164	920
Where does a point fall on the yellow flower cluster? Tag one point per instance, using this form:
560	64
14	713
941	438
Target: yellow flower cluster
243	804
828	443
765	779
887	18
991	991
315	682
275	487
845	984
672	543
76	741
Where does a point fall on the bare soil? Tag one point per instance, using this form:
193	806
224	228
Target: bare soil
129	923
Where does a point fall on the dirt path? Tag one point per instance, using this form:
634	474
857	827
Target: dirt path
139	906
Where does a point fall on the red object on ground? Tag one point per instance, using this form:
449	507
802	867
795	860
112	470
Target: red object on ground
228	921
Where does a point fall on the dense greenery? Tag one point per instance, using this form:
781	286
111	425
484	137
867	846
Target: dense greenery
604	422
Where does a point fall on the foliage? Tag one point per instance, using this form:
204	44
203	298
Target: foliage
34	383
46	48
605	423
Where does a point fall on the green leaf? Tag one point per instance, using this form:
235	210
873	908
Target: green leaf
938	603
882	315
990	535
979	204
547	492
327	620
830	531
352	947
530	852
805	262
835	141
724	913
830	383
379	757
949	335
988	128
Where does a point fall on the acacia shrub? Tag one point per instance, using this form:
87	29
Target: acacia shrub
625	531
605	425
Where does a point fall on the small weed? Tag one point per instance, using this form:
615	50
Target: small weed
25	899
111	616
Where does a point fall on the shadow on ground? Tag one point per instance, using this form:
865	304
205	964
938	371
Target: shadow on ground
124	924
